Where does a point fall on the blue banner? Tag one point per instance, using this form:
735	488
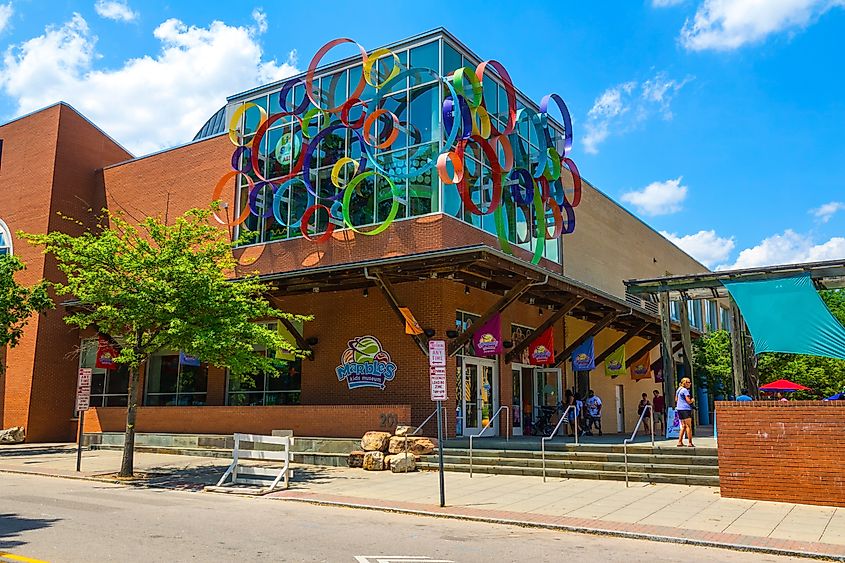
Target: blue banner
187	360
584	356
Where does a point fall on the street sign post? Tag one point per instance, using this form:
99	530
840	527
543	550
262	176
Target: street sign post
83	403
437	382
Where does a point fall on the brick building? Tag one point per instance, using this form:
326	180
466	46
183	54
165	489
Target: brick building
447	265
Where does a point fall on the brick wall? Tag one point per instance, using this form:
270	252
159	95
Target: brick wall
783	451
336	421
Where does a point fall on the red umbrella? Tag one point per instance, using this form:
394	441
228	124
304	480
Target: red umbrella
783	385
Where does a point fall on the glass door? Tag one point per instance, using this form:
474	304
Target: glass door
548	388
479	396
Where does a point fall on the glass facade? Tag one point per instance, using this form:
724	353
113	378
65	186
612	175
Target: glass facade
109	387
412	141
171	382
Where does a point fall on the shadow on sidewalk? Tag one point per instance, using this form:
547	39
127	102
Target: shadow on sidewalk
12	525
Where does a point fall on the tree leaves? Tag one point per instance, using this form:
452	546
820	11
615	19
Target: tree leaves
18	303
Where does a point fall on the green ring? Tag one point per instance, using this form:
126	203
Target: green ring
347	200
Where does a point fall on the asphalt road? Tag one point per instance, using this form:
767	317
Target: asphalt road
61	520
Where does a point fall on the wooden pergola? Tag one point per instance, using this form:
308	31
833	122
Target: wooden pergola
710	285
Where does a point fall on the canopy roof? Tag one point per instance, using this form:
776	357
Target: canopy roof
783	385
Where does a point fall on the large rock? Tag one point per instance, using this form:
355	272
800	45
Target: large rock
375	441
417	445
401	463
13	435
355	459
403	430
374	461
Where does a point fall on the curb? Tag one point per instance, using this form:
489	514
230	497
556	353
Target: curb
576	529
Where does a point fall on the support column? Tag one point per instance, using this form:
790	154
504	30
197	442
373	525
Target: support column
669	379
737	356
686	340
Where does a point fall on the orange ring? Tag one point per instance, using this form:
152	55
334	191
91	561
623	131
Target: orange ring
369	123
218	191
457	163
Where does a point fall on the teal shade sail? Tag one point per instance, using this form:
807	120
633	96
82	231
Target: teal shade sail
788	315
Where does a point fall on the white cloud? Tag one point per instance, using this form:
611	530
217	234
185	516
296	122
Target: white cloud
6	12
788	248
666	3
115	10
729	24
705	246
623	107
148	103
260	19
824	212
658	198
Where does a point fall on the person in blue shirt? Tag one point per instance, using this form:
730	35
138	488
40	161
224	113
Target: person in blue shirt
683	406
745	396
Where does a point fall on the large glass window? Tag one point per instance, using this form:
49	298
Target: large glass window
417	136
5	239
109	387
174	380
280	386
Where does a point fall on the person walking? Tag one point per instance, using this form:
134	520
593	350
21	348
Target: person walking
658	403
579	414
644	404
683	406
593	413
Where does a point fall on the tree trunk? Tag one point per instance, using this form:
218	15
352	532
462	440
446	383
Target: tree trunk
127	464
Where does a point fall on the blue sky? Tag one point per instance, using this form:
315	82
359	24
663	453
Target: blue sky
719	122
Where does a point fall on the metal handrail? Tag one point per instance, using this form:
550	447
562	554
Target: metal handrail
552	435
486	426
625	442
420	427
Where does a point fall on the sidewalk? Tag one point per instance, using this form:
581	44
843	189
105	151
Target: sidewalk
658	512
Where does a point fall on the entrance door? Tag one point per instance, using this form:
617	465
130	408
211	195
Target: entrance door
479	396
548	388
517	413
620	409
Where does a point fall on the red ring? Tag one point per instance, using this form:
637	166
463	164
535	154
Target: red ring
303	225
576	182
493	158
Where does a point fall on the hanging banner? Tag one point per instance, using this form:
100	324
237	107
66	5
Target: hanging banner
614	364
657	370
411	324
106	353
584	357
541	351
187	360
640	370
282	354
488	338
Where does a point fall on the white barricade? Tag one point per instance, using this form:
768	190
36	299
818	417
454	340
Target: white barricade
262	476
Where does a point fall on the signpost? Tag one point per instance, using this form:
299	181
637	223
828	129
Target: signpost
437	380
83	403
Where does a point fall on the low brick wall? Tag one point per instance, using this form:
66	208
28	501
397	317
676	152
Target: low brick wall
782	451
329	421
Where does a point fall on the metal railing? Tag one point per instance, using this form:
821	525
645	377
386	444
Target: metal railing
552	435
646	409
486	426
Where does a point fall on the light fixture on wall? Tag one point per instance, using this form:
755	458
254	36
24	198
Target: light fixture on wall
466	289
312	340
530	300
451	333
484	285
366	292
507	344
429	332
541	311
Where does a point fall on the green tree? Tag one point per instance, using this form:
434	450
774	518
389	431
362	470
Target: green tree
712	354
17	302
157	287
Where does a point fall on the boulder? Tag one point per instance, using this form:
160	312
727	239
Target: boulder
402	463
403	430
374	461
417	445
355	459
13	435
375	441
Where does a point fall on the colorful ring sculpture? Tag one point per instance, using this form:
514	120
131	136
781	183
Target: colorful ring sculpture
529	177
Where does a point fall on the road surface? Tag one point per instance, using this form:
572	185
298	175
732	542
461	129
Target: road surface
61	520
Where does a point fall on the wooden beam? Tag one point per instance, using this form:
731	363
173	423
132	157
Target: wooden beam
564	309
619	342
509	297
300	340
387	289
592	331
669	379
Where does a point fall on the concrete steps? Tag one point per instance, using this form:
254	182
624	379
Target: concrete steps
697	466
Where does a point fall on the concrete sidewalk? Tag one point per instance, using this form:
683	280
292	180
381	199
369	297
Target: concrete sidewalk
688	514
